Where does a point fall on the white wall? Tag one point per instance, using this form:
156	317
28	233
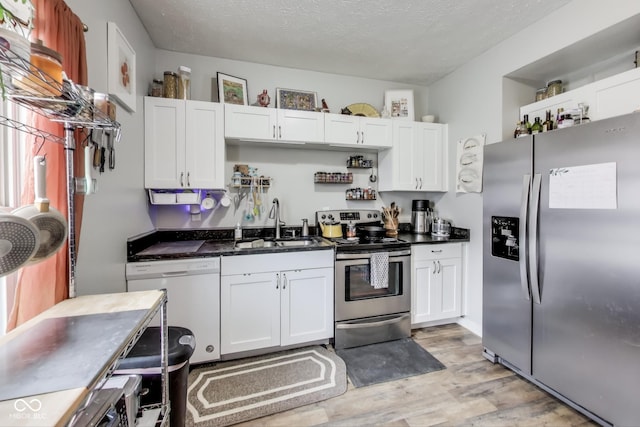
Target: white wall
119	209
291	168
471	101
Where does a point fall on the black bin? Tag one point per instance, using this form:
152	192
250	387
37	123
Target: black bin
144	360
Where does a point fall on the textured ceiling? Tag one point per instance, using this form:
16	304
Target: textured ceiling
410	41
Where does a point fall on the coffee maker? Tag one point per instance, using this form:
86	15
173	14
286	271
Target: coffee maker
421	216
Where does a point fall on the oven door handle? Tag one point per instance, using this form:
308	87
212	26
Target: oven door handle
371	324
392	254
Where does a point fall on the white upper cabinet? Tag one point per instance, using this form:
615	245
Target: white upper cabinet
357	132
271	124
184	144
417	160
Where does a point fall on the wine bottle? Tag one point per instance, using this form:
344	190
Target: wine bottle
527	123
548	122
536	127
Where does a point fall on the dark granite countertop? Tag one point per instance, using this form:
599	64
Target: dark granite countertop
181	244
458	235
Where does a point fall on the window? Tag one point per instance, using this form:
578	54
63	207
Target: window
12	152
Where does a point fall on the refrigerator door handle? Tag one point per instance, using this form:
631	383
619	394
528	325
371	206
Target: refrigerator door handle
522	255
533	238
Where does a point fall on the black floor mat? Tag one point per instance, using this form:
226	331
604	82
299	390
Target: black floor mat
387	361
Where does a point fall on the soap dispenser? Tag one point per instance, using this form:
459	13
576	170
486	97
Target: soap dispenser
305	228
237	234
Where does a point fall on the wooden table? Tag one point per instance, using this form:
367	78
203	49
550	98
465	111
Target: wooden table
77	343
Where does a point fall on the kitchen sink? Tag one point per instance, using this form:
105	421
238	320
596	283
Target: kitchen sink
283	243
255	244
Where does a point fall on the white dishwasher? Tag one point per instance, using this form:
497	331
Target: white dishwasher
193	297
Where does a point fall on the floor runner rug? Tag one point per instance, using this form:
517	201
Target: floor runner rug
387	361
241	390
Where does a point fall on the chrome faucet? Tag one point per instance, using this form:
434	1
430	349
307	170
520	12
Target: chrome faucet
275	214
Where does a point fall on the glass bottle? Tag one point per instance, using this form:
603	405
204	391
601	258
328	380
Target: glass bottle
559	117
527	123
548	122
536	127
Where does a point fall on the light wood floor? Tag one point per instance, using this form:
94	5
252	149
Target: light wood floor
470	392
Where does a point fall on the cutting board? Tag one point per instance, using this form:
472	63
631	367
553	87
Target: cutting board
172	248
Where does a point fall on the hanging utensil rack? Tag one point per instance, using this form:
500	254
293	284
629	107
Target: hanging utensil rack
71	109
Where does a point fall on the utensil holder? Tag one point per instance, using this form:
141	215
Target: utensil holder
391	225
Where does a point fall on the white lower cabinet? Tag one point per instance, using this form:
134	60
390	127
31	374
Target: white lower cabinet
276	300
436	282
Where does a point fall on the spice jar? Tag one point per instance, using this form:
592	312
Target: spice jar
170	85
184	82
554	88
541	94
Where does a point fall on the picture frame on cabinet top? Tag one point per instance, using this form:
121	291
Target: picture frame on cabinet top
291	99
400	104
232	90
121	68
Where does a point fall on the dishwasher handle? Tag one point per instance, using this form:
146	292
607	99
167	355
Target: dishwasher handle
175	273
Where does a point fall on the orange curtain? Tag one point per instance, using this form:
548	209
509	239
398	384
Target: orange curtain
43	285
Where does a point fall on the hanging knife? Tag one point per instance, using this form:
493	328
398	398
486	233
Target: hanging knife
112	151
102	158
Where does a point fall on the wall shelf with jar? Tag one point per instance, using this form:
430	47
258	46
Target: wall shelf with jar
360	194
333	178
359	162
251	181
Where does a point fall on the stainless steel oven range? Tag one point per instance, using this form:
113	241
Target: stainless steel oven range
372	281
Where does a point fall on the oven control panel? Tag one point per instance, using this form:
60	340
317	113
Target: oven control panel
346	216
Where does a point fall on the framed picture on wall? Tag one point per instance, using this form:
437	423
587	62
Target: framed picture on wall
400	104
121	68
232	90
290	99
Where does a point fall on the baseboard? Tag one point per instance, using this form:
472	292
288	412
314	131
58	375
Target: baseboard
471	326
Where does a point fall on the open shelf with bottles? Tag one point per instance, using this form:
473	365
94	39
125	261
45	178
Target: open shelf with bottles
360	194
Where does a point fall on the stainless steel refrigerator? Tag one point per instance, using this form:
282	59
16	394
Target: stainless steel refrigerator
561	281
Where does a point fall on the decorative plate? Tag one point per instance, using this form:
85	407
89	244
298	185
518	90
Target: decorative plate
362	109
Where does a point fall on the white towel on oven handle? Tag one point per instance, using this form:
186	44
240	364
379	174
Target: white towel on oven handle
379	270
